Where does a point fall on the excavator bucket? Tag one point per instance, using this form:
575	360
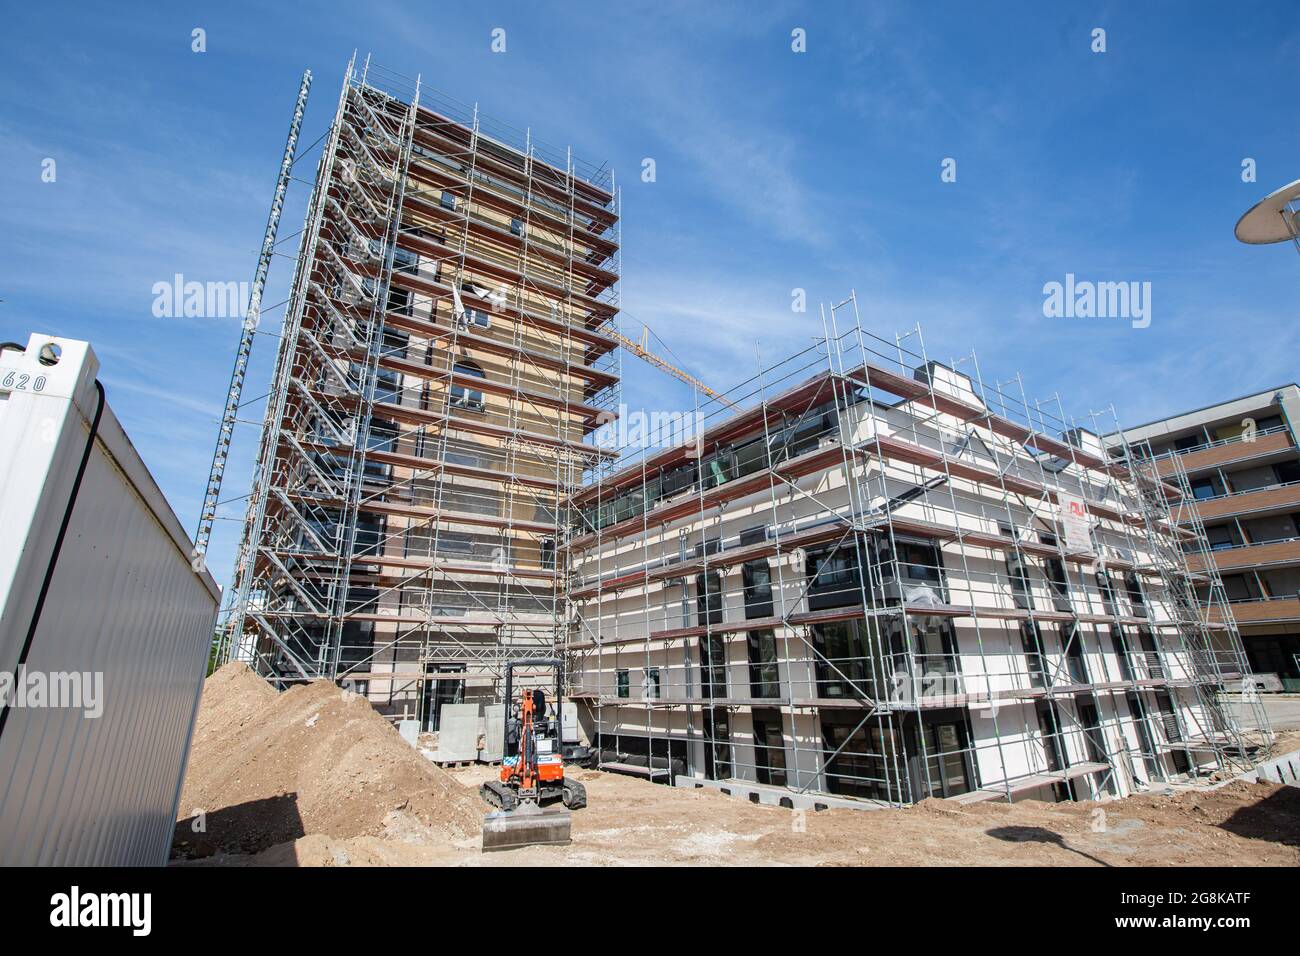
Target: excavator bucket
526	825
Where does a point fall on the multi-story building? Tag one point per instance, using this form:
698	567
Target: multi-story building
1241	459
869	575
872	576
443	363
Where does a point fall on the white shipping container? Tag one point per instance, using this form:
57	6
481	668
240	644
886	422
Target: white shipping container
110	623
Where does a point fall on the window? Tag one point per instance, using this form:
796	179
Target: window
1135	594
382	437
833	577
448	200
1107	590
367	538
677	479
651	689
947	771
707	546
404	260
468	458
388	383
547	549
476	318
388	386
1019	577
713	666
1035	661
934	644
400	301
764	674
841	659
769	748
1074	660
920	563
1049	726
1238	588
1220	537
757	579
751	457
1059	582
1287	472
624	684
395	342
865	757
802	435
717	744
708	598
455	542
1122	652
720	468
462	396
1203	488
516	227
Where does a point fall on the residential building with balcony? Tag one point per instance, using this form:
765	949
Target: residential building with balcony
1241	459
878	580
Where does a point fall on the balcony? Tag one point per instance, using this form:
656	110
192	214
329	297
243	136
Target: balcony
1218	454
1277	610
1266	554
1272	498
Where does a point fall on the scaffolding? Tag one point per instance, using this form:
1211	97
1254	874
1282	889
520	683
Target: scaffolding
876	576
445	357
862	573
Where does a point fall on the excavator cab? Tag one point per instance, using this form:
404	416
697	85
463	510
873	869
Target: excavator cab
532	769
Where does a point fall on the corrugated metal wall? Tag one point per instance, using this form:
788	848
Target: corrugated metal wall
125	603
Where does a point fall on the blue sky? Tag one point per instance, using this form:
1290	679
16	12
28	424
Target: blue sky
775	171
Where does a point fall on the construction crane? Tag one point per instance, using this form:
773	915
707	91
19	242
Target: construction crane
642	351
252	315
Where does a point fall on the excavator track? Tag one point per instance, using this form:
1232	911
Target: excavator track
575	794
498	795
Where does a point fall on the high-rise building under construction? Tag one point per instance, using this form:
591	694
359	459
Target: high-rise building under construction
443	356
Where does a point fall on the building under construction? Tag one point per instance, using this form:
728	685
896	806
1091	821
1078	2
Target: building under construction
443	360
875	576
867	575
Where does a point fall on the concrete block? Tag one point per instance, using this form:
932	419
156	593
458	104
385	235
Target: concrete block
410	730
494	730
457	732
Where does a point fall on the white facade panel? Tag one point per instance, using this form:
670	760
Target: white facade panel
119	605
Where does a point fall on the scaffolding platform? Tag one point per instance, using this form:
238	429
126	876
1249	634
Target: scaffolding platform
1025	784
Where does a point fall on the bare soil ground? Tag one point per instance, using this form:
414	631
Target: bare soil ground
362	796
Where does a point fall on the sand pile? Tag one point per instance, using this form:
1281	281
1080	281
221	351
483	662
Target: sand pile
269	768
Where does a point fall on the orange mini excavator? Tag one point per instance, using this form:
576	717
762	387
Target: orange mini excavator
532	769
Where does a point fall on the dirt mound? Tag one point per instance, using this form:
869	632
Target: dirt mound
269	768
231	696
1257	811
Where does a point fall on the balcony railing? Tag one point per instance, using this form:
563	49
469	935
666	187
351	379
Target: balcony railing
1224	451
1274	552
1265	610
1284	495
